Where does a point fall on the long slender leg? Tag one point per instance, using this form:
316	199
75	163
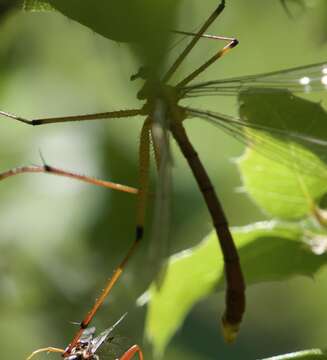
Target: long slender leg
235	293
47	169
144	151
47	349
192	34
205	36
129	354
193	42
54	120
232	43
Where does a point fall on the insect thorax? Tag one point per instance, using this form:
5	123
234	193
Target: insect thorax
154	92
82	351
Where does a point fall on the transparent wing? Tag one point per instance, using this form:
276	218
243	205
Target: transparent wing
161	224
300	79
88	334
114	348
105	335
304	149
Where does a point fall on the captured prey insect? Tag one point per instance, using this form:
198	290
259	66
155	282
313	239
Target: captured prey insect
163	111
90	347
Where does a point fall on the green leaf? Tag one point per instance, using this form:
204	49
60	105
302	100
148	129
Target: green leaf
195	273
6	6
285	172
141	22
37	5
116	19
311	354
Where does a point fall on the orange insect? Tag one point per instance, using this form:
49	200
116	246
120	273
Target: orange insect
162	112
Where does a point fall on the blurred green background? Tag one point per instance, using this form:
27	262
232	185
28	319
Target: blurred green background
61	239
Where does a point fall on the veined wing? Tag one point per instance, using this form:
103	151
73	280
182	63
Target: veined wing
88	334
114	347
299	79
161	222
275	130
104	336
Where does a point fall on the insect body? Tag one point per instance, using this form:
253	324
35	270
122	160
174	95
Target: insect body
161	102
91	347
162	110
